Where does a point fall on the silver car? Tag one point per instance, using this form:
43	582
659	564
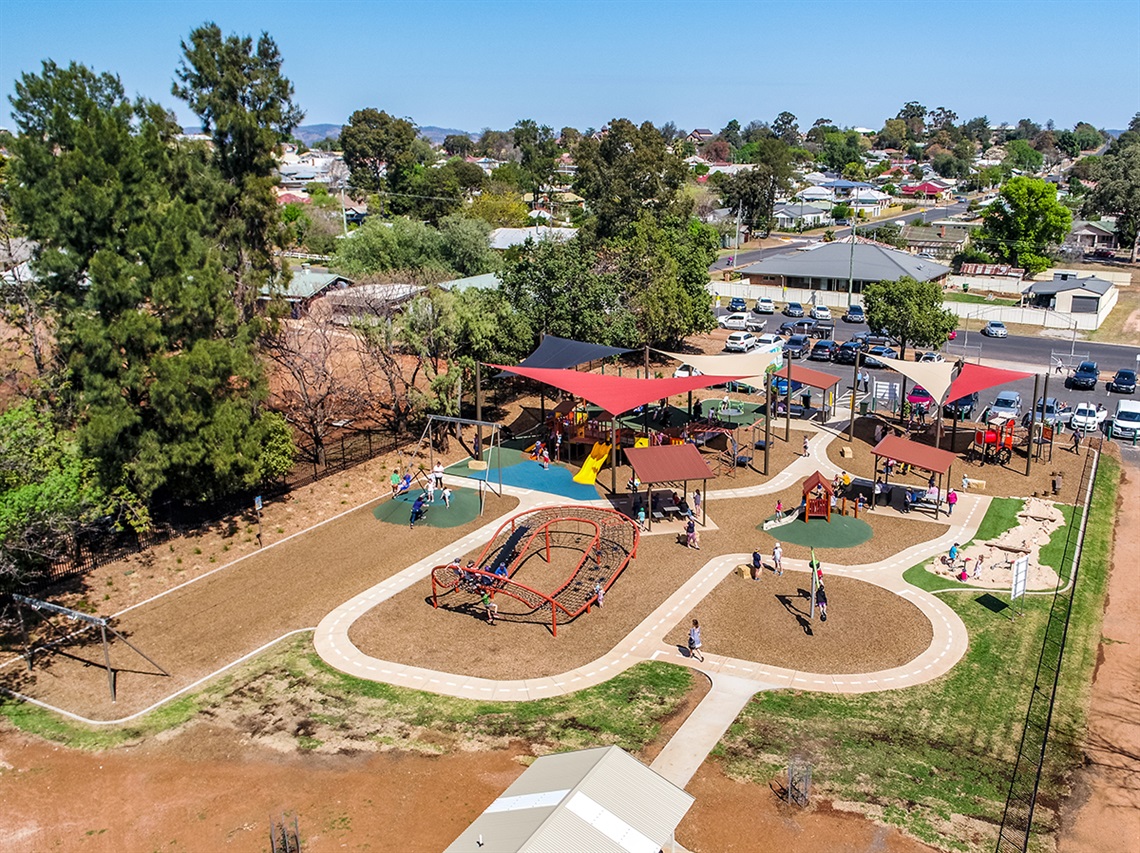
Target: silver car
995	329
1007	405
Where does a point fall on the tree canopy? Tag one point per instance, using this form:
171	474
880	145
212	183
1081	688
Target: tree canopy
911	312
1023	223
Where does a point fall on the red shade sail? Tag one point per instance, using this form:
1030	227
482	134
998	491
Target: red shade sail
974	377
616	394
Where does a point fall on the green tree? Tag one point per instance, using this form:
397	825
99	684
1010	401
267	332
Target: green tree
785	127
757	189
1023	223
627	172
499	209
1087	137
841	148
731	134
538	152
378	150
893	134
465	246
913	114
978	130
911	312
246	106
458	144
1117	193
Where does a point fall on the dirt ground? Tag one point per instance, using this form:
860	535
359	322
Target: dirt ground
1103	812
867	629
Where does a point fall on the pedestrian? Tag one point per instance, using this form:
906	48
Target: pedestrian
437	475
757	565
807	448
600	593
1076	446
490	607
779	510
691	535
696	502
695	642
394	481
878	491
821	602
447	498
951	499
906	500
778	559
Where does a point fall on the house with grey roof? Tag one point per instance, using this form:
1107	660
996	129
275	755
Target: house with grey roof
505	238
793	215
305	285
1069	294
1091	236
826	267
602	800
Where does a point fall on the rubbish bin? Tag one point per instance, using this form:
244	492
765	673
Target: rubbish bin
805	398
864	407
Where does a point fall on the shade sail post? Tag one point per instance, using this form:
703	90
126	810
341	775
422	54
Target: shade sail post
788	404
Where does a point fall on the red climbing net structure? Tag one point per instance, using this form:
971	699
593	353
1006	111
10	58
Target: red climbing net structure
606	538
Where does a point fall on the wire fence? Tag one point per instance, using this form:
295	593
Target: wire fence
1017	819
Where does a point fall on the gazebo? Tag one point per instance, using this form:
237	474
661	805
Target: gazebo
816	506
932	459
670	463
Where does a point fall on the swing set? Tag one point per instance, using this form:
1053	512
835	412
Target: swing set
415	470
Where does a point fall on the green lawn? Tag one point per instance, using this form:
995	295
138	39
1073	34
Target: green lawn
976	299
923	756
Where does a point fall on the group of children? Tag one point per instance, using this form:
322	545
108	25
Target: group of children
479	582
403	484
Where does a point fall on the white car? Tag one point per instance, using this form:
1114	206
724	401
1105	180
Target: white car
1007	405
821	312
768	339
1126	423
740	342
1088	417
740	321
686	370
932	358
764	305
995	329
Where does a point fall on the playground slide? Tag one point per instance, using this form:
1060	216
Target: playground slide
593	464
641	442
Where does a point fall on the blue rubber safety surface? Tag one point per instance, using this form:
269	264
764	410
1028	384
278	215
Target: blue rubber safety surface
522	472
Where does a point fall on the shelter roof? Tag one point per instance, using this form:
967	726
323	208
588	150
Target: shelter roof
616	394
923	456
1092	284
560	353
975	377
752	364
817	479
869	262
807	376
668	463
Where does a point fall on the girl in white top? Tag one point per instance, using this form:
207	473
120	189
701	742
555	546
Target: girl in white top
695	641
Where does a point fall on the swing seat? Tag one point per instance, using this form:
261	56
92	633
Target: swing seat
477	465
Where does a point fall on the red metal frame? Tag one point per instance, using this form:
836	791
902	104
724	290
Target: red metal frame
447	578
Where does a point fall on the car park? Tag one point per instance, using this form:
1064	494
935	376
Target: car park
1087	417
740	342
821	312
1051	412
1124	382
797	346
1007	404
877	356
764	305
793	309
780	385
686	370
995	329
849	351
824	351
740	322
931	358
1085	377
854	314
1126	421
737	304
962	408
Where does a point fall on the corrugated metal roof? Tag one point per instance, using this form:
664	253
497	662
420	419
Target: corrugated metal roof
833	260
607	802
668	463
923	456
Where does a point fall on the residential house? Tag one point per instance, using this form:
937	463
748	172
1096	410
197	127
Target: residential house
868	202
927	189
843	188
992	278
487	164
1090	235
941	243
817	178
700	135
505	238
816	195
305	286
795	215
1069	294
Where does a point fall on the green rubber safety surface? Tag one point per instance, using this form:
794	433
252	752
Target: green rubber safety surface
842	531
464	508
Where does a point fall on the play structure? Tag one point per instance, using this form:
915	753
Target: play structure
593	463
606	539
994	443
416	466
817	497
723	441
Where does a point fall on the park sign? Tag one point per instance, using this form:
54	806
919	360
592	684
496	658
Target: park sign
1020	575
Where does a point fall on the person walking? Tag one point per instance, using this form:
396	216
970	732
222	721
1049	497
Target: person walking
447	497
951	500
695	642
778	559
821	602
691	535
696	502
1076	446
807	447
490	607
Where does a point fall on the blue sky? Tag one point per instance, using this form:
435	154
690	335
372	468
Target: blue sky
477	64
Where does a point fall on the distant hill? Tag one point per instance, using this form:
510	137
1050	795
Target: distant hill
311	134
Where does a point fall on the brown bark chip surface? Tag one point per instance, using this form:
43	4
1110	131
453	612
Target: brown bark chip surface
867	629
1103	813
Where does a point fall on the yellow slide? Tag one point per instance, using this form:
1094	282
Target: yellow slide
593	464
641	442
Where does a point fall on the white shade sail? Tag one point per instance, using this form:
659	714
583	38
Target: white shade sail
934	377
753	365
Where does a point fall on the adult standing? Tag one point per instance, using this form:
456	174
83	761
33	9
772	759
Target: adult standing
951	500
437	475
1076	446
778	559
695	642
878	492
696	502
821	602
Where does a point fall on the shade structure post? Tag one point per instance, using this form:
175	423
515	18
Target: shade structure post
690	405
478	395
107	662
937	499
788	404
613	455
1033	421
704	503
854	386
767	421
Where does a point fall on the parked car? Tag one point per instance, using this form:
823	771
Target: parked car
961	408
805	326
824	351
821	312
740	322
797	346
1088	417
740	342
737	304
1085	376
780	385
764	305
1126	421
842	221
1124	382
920	398
854	314
1006	405
686	370
793	309
931	358
1050	412
880	337
768	339
876	356
995	329
849	351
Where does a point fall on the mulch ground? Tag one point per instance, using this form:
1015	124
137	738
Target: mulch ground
868	628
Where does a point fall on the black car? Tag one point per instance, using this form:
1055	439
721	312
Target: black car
824	351
805	326
854	314
848	351
1124	382
961	408
1085	376
876	356
737	304
793	309
797	346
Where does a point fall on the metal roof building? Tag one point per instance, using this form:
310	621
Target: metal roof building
603	800
827	266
